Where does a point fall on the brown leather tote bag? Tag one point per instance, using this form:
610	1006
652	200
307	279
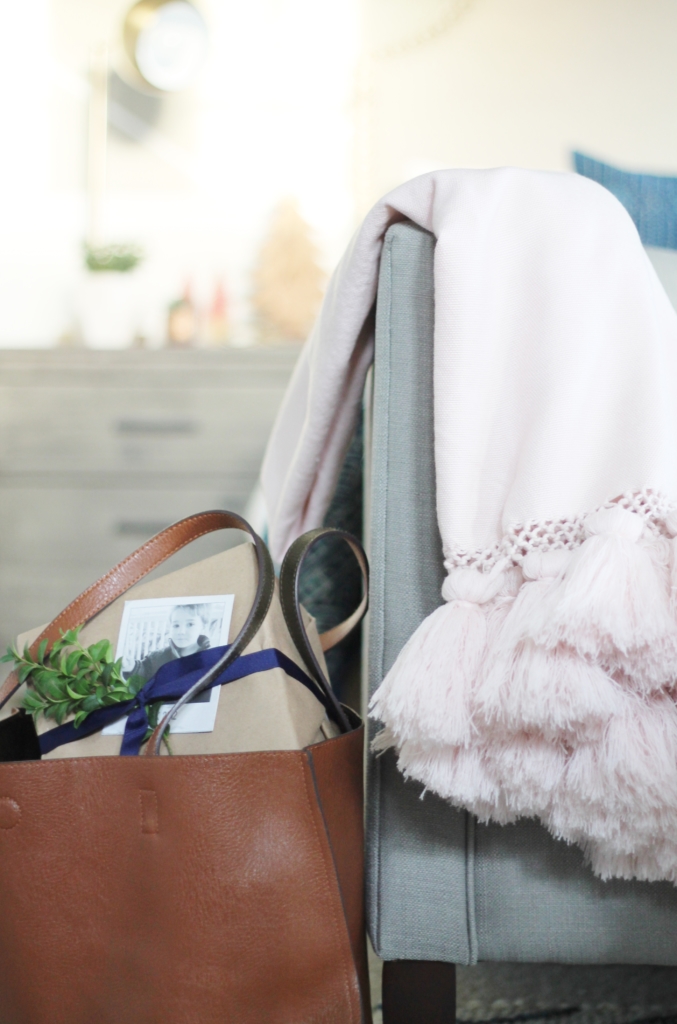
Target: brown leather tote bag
216	889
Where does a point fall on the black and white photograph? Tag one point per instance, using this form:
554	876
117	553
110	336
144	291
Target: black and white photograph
156	631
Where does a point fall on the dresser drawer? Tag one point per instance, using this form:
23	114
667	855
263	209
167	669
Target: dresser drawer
52	430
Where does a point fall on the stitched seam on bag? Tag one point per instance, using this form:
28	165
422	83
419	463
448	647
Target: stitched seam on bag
150	812
125	561
269	755
346	980
120	565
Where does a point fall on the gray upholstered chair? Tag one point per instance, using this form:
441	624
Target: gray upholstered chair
441	888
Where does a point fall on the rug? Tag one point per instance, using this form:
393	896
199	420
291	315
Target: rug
519	993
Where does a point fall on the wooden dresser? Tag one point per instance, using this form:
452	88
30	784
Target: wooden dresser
99	450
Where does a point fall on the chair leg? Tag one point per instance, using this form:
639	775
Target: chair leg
419	992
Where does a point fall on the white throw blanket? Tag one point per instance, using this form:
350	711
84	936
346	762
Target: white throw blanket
545	685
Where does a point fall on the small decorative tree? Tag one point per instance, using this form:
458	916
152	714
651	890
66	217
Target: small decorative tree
288	280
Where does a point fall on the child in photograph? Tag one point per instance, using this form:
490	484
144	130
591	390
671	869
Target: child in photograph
186	636
154	633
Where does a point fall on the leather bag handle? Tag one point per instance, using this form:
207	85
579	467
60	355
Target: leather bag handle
289	599
142	561
290	575
265	587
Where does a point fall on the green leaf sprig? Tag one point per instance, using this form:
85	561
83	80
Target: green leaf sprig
70	679
120	258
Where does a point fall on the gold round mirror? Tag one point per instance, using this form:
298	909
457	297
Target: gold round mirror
166	41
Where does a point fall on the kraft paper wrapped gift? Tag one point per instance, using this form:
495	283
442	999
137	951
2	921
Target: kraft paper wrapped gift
265	711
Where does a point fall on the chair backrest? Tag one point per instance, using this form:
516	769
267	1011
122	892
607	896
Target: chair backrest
441	886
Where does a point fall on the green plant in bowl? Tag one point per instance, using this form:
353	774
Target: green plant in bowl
119	258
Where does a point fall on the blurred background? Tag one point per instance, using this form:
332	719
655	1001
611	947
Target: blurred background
179	179
193	175
297	117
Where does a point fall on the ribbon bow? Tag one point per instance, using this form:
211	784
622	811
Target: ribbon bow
169	683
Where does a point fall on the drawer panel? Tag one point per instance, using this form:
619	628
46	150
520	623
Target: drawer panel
224	369
135	430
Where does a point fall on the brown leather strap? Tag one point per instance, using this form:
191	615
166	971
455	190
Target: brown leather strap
265	589
289	599
333	636
290	575
133	568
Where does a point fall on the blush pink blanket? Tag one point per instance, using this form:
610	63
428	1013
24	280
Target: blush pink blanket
545	684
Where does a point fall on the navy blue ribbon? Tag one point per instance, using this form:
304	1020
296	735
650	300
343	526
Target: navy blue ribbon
169	683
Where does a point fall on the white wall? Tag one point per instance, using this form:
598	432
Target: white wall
269	117
519	82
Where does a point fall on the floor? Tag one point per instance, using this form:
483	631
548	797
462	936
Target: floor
579	994
503	993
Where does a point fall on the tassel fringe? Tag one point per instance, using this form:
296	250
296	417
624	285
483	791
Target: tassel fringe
550	692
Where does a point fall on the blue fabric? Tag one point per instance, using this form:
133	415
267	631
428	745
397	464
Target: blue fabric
650	199
170	683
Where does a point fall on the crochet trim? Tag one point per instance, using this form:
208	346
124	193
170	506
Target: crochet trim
564	534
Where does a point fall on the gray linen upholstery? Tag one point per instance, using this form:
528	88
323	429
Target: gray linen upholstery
440	886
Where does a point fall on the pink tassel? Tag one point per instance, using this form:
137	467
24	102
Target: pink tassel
612	599
529	771
504	703
500	783
458	774
526	687
621	793
654	863
555	693
425	696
